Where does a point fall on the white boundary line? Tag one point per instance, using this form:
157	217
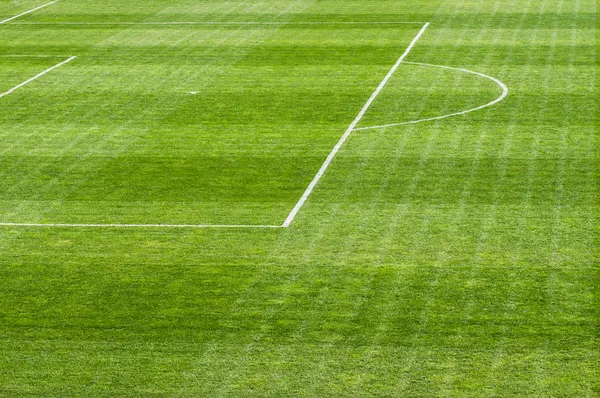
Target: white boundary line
27	12
31	56
500	98
223	23
35	77
37	225
349	130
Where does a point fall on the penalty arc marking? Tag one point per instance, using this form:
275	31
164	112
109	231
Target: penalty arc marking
430	119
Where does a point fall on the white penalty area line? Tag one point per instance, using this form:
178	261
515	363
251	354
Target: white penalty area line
27	12
198	226
226	23
430	119
36	77
30	56
350	129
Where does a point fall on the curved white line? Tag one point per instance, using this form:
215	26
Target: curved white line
494	102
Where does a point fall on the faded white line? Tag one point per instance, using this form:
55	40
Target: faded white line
494	102
38	225
31	56
227	23
27	12
349	130
35	77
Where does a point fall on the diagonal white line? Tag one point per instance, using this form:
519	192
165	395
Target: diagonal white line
27	12
349	130
35	77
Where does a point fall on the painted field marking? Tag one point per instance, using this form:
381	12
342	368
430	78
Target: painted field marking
30	56
500	98
350	129
38	225
225	23
27	12
35	77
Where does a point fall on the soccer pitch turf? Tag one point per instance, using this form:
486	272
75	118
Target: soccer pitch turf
193	201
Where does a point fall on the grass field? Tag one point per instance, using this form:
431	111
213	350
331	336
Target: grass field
456	257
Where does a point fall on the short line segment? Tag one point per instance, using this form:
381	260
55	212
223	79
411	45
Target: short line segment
36	76
27	12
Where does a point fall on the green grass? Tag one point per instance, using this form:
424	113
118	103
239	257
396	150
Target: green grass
452	258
